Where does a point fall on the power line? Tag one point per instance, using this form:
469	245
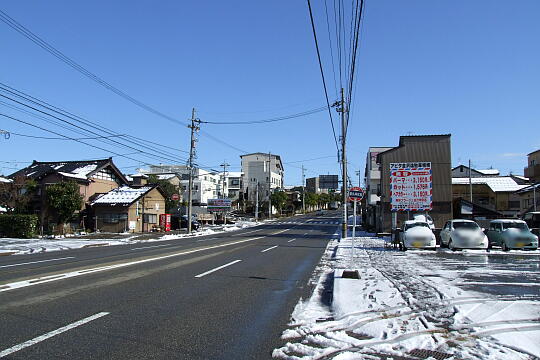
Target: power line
322	72
281	118
60	138
64	58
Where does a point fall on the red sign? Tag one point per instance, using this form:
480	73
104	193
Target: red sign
356	194
175	197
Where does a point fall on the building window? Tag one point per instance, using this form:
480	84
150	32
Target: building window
150	218
113	218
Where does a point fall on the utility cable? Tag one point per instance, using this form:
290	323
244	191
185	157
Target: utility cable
322	72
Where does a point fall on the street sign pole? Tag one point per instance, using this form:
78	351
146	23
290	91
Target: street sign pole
355	194
353	233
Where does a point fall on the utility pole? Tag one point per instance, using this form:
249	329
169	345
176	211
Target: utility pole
269	187
303	191
194	129
534	196
223	190
358	172
470	182
257	201
343	109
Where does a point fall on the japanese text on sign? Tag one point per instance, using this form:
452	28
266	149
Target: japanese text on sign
411	186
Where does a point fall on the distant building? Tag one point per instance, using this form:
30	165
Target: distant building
233	185
206	184
496	193
372	180
420	148
262	173
532	171
463	171
322	184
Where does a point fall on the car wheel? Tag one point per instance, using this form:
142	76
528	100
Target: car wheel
504	247
443	245
451	245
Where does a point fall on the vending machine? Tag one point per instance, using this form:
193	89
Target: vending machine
165	222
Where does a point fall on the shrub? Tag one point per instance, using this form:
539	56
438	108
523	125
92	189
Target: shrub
18	226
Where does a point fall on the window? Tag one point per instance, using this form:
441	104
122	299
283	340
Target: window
113	218
150	218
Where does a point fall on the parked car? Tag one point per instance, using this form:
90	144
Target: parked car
417	234
463	234
195	225
511	234
425	218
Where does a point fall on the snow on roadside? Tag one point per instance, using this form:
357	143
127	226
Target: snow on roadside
15	246
400	304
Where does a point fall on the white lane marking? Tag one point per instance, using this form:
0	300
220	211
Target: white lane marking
48	335
45	279
270	248
216	269
291	240
149	247
35	262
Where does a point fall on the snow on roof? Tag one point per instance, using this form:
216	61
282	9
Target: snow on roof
5	180
496	184
235	173
508	221
488	171
166	176
3	209
122	195
74	176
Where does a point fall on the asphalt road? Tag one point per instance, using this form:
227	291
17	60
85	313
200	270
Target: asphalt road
222	296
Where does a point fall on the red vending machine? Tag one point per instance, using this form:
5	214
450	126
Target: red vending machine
165	222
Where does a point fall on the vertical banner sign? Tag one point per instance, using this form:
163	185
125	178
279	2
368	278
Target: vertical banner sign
411	186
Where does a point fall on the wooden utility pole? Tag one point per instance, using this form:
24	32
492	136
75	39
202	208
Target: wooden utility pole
223	190
303	191
269	186
343	110
194	129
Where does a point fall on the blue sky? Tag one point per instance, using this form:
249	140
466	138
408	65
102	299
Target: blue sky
469	68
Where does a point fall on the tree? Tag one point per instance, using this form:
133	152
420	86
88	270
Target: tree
279	199
311	199
64	199
324	199
168	189
16	196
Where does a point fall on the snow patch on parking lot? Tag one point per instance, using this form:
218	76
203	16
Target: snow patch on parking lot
405	302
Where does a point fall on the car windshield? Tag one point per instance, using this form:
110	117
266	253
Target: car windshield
466	225
416	224
515	225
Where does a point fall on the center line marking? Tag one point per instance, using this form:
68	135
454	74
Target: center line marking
216	269
291	240
149	247
270	248
35	262
48	335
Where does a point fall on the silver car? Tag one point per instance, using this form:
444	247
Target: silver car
463	234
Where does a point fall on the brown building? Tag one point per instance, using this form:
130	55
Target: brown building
496	193
129	208
92	176
422	148
532	171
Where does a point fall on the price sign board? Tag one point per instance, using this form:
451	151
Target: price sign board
356	194
411	186
219	204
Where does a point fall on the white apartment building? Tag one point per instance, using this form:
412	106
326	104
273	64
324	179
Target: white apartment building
205	183
232	183
261	171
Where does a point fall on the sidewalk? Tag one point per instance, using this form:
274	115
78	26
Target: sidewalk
403	308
